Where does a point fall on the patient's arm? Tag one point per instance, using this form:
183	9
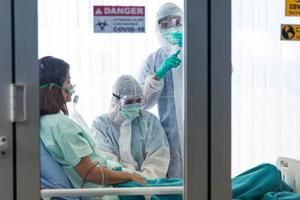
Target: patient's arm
110	177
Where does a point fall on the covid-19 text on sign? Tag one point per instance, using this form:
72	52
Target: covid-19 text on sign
292	7
119	19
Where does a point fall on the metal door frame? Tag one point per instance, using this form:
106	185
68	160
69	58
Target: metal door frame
26	74
207	94
208	99
220	97
6	128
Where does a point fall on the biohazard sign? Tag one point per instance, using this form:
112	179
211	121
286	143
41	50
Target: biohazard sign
290	32
119	19
292	7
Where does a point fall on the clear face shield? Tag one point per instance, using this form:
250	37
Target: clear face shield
171	29
130	105
129	100
170	22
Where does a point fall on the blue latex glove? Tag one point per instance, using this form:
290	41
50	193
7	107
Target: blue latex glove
172	62
178	38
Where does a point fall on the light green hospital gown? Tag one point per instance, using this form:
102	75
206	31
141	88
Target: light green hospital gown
68	143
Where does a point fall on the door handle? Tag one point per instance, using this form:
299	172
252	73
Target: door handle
18	97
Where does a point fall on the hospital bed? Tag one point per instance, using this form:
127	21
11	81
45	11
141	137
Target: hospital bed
52	176
290	171
46	194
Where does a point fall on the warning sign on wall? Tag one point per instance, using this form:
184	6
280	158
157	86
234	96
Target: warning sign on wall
292	7
290	32
119	19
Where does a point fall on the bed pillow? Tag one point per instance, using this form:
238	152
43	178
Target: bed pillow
52	175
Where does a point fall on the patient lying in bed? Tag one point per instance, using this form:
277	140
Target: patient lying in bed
263	182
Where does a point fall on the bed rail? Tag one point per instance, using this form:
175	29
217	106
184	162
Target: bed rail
47	194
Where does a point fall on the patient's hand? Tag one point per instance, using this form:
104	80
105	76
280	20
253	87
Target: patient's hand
137	178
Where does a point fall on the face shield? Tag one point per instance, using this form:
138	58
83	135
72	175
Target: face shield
170	26
130	99
170	22
130	105
127	97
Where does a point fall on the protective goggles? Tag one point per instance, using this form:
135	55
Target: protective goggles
169	22
130	99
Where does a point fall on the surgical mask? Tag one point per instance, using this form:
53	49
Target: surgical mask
171	35
131	111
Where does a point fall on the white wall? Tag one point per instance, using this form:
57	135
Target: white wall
265	85
96	59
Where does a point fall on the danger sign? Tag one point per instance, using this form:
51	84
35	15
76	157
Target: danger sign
292	7
119	19
290	32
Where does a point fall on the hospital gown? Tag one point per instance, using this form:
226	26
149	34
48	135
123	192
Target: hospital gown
68	143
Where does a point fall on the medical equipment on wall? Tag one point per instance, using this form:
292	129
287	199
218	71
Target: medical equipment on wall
290	171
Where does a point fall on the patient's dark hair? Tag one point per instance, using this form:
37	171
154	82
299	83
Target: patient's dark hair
52	71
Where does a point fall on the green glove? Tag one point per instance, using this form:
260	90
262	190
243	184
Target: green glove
178	38
169	63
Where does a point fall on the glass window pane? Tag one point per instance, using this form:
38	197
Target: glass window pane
104	104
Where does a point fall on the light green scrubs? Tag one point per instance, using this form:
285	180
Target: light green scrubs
68	143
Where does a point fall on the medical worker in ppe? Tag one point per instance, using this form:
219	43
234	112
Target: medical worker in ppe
66	141
130	135
161	76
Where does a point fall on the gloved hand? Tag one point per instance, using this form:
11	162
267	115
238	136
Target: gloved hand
172	62
178	38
